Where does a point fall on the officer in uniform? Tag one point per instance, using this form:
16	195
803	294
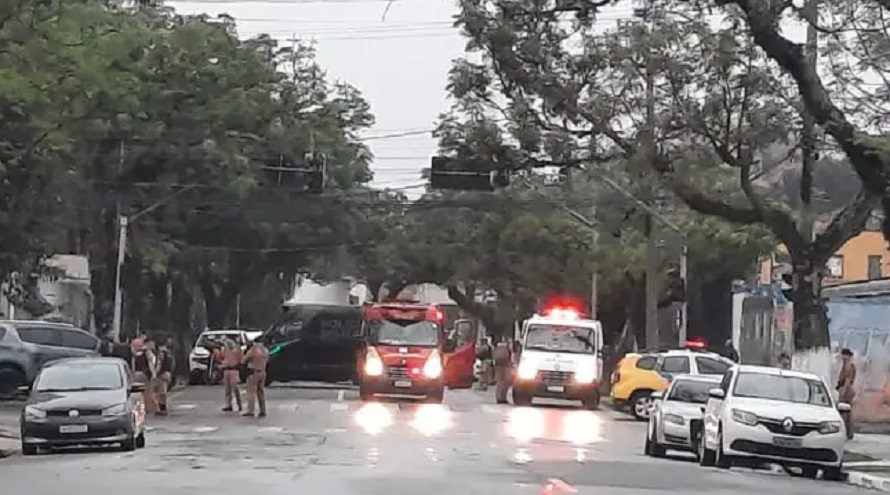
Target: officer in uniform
503	369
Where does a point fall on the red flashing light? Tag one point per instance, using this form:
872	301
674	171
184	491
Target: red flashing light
435	314
560	312
696	344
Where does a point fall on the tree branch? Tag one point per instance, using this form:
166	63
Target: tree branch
790	56
849	221
778	220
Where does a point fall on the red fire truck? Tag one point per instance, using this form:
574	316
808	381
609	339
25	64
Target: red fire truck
404	352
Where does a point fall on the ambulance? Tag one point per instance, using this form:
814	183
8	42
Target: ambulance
561	357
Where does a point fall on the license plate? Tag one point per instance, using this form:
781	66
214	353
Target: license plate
72	428
556	388
787	442
402	384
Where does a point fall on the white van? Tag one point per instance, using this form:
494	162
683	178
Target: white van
561	358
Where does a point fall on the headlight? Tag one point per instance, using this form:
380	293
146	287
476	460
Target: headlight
116	410
373	363
829	427
433	366
32	412
674	419
744	417
585	374
527	370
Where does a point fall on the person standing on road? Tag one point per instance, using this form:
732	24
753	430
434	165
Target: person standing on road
231	361
166	365
503	364
845	388
729	351
145	365
486	368
256	358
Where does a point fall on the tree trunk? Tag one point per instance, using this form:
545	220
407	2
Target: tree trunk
479	310
810	313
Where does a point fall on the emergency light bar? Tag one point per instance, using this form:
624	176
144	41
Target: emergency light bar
696	343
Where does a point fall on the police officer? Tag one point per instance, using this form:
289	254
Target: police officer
231	362
166	366
503	367
256	359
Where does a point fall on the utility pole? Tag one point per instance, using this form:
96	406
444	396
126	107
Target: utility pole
652	261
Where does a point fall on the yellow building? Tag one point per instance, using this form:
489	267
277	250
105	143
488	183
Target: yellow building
864	257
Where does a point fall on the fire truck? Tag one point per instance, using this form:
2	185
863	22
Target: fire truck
404	352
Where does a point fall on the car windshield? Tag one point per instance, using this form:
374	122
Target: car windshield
404	332
692	391
560	338
783	388
80	376
217	339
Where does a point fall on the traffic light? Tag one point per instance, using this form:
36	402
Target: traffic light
450	173
309	174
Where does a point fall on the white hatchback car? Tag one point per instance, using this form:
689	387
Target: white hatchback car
676	418
776	415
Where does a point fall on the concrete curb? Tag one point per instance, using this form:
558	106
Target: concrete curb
868	480
8	447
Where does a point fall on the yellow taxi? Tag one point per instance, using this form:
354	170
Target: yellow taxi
636	376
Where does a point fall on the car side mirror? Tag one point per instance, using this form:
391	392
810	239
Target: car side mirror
844	407
137	388
716	393
657	395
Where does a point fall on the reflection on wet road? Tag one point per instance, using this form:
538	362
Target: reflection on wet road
327	441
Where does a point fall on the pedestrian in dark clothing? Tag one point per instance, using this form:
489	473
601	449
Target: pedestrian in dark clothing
166	366
729	351
503	370
845	388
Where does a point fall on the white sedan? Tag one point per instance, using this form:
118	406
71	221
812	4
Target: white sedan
771	414
676	417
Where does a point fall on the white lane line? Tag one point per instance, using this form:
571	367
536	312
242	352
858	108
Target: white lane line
339	406
185	407
205	429
271	429
340	394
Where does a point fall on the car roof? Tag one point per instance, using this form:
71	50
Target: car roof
770	370
86	360
42	323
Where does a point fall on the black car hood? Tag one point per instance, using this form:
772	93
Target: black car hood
87	399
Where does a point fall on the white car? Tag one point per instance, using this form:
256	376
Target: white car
771	414
676	418
200	355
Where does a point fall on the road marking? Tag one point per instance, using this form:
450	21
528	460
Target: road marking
271	429
205	429
185	407
339	406
340	394
335	430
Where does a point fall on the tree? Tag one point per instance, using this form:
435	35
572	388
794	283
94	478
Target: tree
692	103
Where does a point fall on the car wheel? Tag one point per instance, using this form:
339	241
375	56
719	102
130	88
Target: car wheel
521	399
129	444
592	401
722	460
833	473
641	404
28	449
654	449
809	472
140	441
705	455
10	380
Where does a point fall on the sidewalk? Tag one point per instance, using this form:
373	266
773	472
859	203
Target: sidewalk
868	461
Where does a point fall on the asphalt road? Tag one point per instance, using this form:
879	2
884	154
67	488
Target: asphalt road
326	441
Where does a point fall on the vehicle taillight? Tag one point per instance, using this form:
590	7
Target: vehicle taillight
373	363
433	366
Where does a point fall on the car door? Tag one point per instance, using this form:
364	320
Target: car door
44	343
459	361
76	343
714	411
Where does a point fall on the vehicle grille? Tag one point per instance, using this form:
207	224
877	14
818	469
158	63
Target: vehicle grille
80	412
822	455
555	377
397	372
799	429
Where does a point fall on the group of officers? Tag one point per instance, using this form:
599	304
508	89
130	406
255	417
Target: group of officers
231	359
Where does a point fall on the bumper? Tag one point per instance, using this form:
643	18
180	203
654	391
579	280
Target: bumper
99	430
387	386
758	442
567	391
678	436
